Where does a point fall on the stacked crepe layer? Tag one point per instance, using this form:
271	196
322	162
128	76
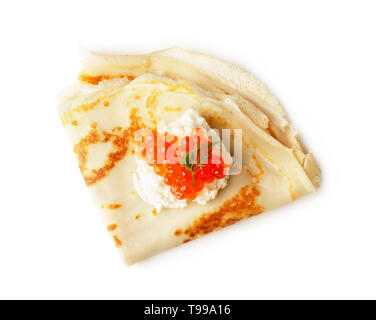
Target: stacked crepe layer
117	95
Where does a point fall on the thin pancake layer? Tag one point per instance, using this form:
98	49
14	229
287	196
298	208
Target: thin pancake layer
117	95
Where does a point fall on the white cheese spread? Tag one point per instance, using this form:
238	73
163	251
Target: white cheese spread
151	187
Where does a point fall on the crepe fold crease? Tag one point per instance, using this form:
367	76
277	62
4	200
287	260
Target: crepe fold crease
116	95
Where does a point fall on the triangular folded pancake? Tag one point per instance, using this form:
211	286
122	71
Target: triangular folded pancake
116	95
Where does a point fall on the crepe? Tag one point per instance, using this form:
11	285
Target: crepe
117	95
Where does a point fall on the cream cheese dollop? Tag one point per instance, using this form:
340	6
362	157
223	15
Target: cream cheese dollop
150	186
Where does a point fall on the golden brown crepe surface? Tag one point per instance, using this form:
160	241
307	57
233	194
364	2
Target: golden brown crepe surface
117	95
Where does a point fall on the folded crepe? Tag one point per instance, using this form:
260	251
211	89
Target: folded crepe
118	95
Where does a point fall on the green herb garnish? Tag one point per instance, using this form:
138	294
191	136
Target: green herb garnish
192	161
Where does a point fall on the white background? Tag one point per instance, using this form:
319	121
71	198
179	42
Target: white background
319	59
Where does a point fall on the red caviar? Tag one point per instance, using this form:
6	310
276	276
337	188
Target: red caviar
186	166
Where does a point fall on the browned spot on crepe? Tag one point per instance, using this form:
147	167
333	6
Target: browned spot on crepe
178	233
120	141
96	79
272	133
260	172
112	227
137	217
242	205
67	116
151	104
86	107
174	109
217	121
118	242
114	206
74	123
